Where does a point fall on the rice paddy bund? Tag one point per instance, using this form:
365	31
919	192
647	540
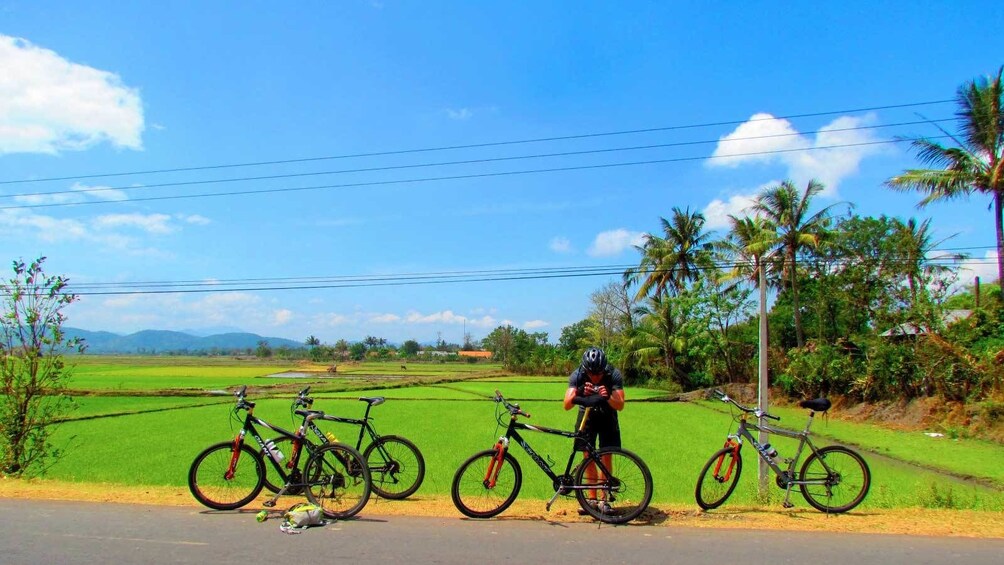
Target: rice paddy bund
140	421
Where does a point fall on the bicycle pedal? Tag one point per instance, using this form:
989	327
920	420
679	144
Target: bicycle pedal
788	505
268	503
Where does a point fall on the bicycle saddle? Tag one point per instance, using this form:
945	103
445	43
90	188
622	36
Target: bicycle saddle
372	400
816	405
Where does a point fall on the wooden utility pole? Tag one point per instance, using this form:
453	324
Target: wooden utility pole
762	372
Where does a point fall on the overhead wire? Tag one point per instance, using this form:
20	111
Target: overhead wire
94	190
476	145
450	177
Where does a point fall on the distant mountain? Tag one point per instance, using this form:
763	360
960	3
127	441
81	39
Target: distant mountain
163	341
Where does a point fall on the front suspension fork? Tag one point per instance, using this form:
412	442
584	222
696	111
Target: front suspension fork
495	465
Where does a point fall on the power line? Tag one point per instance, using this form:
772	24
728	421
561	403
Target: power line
409	279
453	177
473	145
462	162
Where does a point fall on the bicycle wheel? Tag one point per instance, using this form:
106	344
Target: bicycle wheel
207	478
337	480
285	446
718	478
842	479
619	498
396	466
471	492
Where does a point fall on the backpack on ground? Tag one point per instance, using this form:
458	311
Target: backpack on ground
302	516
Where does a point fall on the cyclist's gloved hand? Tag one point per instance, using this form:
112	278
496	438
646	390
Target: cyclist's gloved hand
590	401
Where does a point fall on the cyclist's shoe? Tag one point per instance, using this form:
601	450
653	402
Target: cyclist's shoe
582	511
604	507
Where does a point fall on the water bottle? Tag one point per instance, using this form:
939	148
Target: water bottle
770	451
273	450
331	437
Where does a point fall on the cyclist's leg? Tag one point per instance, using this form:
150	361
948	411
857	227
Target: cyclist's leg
610	436
580	445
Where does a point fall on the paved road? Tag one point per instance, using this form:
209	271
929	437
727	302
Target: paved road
78	533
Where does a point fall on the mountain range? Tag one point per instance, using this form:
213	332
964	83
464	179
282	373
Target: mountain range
164	341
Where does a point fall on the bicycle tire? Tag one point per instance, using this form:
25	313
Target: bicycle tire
623	499
848	469
401	475
207	476
473	497
338	480
714	491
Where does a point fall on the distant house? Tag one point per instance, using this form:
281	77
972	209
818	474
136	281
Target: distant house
477	354
912	330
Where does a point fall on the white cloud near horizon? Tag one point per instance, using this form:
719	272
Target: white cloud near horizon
984	267
765	139
536	324
614	242
50	104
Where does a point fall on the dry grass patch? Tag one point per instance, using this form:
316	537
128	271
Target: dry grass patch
911	521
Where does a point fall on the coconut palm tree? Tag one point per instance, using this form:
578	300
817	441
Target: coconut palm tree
750	241
974	164
669	263
787	213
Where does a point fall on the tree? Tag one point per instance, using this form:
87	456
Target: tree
32	367
410	348
795	230
669	263
263	350
312	341
974	164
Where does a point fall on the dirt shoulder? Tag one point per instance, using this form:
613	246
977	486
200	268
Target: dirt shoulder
923	522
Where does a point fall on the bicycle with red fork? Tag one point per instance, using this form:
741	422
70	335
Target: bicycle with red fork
611	484
230	474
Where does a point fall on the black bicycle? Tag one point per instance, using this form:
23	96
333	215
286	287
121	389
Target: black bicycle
230	474
611	484
833	479
396	466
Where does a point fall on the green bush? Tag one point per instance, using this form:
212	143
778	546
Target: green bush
818	370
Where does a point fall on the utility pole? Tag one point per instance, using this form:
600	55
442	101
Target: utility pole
762	373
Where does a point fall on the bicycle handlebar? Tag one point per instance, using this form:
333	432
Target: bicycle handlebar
302	399
242	402
512	408
755	411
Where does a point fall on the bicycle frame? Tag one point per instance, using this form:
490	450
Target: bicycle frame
562	483
294	459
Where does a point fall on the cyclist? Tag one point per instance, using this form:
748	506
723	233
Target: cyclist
599	385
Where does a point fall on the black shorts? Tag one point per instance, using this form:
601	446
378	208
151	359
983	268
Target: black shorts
602	425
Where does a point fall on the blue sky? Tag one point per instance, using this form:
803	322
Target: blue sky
110	87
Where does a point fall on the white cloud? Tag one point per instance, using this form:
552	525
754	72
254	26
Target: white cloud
534	324
459	113
613	242
560	245
150	223
385	318
984	267
76	194
51	104
282	317
717	212
765	139
194	219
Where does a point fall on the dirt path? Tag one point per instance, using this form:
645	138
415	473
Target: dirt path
961	523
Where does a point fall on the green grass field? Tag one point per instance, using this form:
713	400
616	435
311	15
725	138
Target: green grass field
151	440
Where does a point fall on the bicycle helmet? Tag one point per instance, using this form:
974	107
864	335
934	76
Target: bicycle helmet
594	360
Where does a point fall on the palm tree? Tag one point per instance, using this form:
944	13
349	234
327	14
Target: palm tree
312	341
746	246
974	164
787	212
669	263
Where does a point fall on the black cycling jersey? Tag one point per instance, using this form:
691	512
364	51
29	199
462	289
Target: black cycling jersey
603	418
